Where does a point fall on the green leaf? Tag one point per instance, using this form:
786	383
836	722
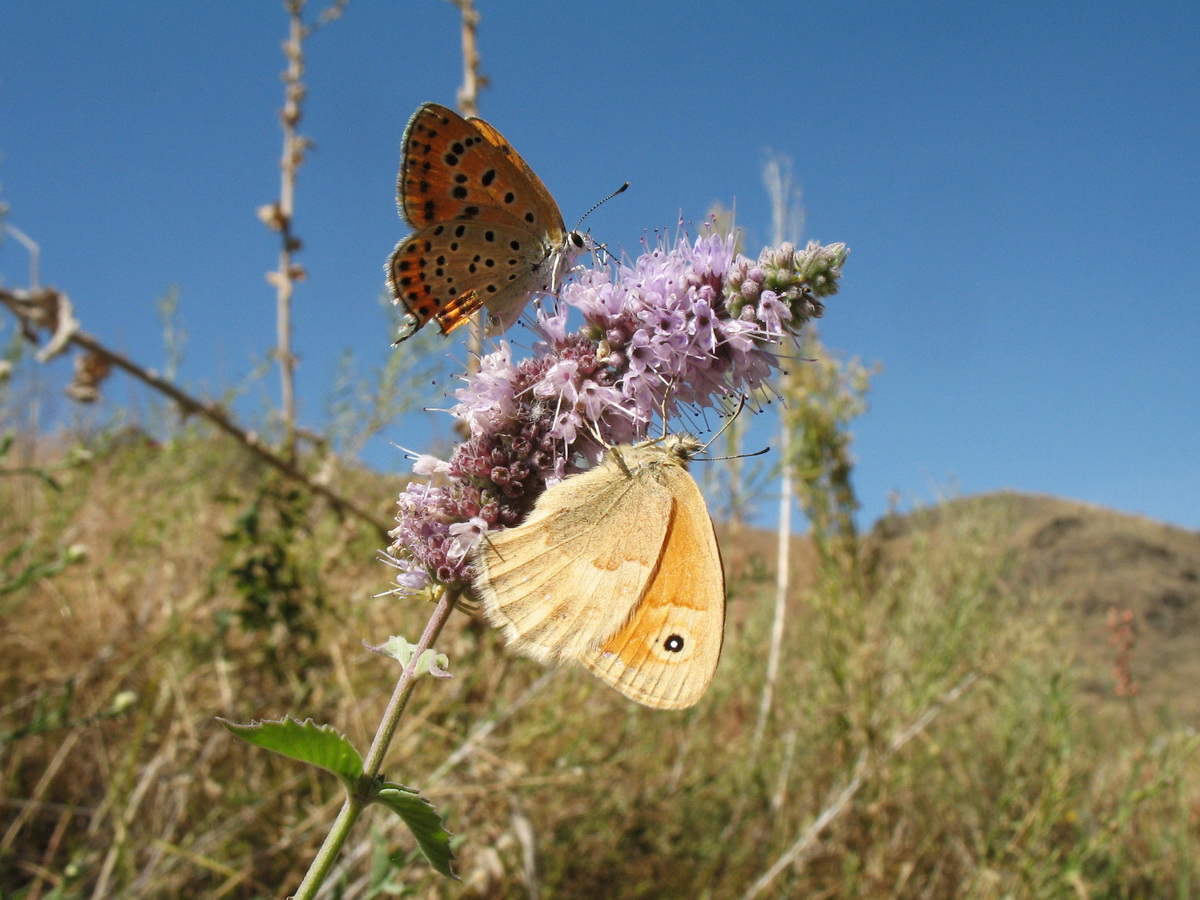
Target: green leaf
399	649
306	741
423	821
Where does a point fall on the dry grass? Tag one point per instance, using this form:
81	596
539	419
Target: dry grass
1083	561
1026	786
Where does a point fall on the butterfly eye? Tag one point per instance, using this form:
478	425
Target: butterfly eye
577	239
673	644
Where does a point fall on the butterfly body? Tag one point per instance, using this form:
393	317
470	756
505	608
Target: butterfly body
618	569
487	232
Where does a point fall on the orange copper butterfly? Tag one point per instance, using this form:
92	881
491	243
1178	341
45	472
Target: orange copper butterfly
487	232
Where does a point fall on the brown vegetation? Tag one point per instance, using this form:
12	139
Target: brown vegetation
198	587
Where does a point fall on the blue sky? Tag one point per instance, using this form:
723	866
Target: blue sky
1019	185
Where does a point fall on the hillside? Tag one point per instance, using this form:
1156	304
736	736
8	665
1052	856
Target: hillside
1086	561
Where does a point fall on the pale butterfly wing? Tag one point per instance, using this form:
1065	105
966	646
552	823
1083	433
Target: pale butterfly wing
455	174
618	569
561	582
667	654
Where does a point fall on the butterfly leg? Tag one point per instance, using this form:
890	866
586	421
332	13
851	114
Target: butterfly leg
408	327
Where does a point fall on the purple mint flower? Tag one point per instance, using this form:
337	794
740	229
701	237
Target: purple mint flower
465	535
685	326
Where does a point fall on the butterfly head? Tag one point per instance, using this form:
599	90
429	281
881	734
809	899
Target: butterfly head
563	258
669	451
683	446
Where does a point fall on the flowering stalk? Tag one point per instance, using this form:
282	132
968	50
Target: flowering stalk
691	325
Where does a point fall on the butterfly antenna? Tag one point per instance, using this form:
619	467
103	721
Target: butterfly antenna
619	190
737	412
765	449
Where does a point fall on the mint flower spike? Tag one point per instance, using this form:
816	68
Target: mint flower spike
786	284
687	326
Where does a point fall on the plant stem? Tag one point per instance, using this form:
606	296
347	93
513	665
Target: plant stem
468	105
357	801
862	768
285	278
391	716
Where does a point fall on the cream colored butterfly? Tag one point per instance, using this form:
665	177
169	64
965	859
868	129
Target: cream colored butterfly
616	568
488	233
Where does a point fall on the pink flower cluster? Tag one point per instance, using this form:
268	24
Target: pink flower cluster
690	326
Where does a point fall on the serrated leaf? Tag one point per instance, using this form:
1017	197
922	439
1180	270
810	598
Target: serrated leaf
305	741
424	823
